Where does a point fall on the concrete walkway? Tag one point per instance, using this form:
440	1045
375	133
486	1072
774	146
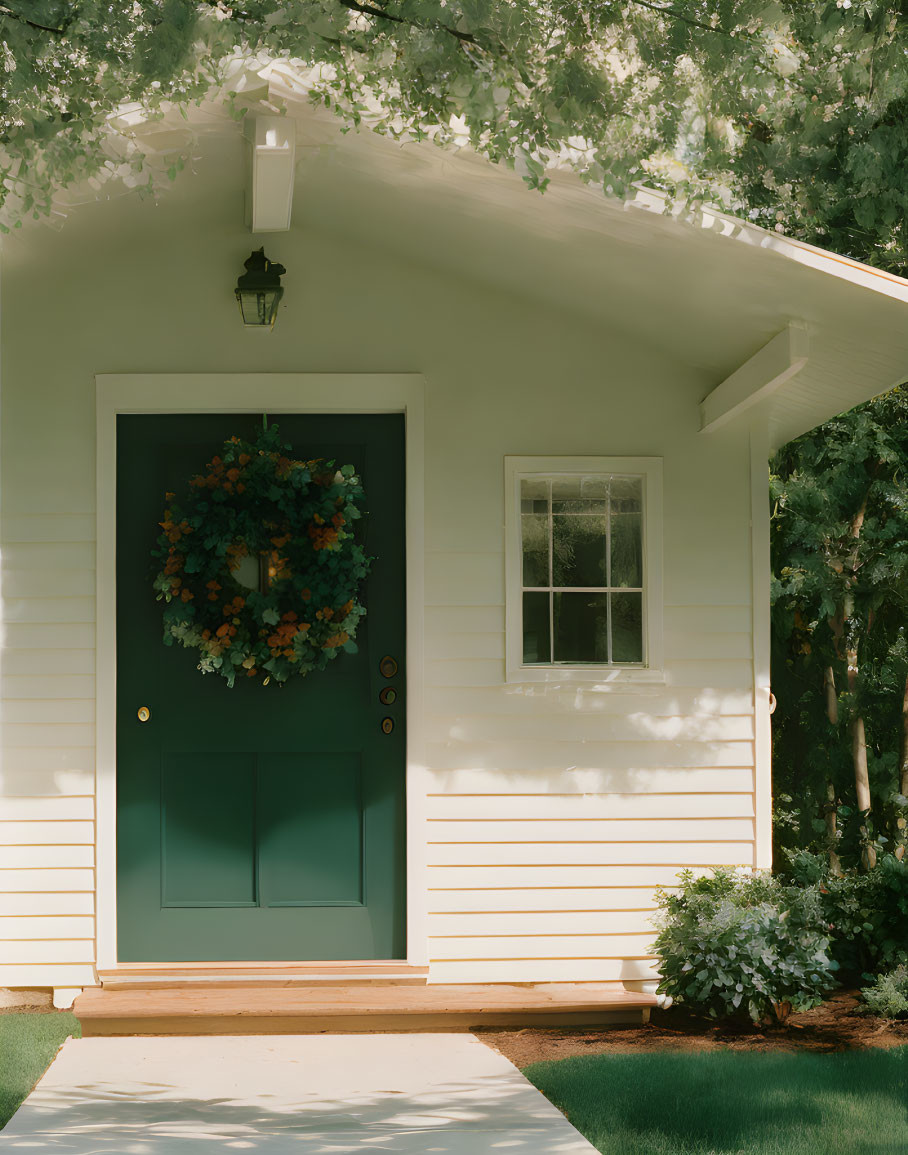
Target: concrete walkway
416	1094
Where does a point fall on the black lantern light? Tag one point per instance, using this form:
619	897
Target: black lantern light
258	291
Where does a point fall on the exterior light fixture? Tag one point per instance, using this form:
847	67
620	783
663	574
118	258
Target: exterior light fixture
259	291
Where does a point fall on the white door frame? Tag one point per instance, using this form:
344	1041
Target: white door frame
255	393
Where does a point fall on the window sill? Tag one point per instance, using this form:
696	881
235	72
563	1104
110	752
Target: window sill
600	676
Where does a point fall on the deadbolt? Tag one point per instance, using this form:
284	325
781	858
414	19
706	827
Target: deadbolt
387	667
387	725
388	696
143	714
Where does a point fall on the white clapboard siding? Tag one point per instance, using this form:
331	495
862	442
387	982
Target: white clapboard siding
577	946
42	927
63	556
45	781
38	857
685	643
43	610
644	755
677	854
45	833
45	636
35	951
48	527
697	620
727	674
592	781
470	644
464	579
558	700
41	585
489	807
31	903
461	877
61	880
17	663
48	975
591	831
39	759
47	711
30	736
538	899
548	727
52	685
47	809
542	970
526	923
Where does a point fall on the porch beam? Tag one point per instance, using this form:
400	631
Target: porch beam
758	378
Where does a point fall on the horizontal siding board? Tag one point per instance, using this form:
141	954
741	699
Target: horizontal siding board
55	583
529	700
460	877
589	781
46	781
444	621
42	927
49	636
39	662
58	880
31	904
696	673
47	975
62	610
540	899
588	806
35	951
50	685
687	643
702	619
31	735
70	556
541	923
570	946
45	857
48	527
587	830
544	755
678	854
542	971
45	833
467	644
47	809
629	727
47	711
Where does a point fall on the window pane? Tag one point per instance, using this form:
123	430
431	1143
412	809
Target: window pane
627	628
581	628
534	496
626	494
627	549
536	647
535	531
579	545
579	488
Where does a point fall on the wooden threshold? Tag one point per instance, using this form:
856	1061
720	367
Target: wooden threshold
353	1008
181	975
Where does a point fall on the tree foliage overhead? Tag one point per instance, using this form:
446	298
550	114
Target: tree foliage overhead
788	111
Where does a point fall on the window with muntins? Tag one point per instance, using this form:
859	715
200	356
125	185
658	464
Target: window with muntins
584	581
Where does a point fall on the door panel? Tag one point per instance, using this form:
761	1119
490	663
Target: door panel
259	822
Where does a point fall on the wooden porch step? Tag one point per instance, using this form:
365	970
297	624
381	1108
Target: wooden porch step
185	976
356	1008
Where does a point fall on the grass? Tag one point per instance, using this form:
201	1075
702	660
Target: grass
28	1042
729	1103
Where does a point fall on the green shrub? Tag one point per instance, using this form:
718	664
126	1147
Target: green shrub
887	996
867	913
737	943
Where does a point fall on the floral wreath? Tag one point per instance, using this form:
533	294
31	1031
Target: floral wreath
296	517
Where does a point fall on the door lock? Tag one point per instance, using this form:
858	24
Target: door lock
143	714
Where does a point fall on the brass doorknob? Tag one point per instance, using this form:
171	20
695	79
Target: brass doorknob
143	714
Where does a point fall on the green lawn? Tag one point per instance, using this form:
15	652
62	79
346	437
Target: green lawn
729	1103
28	1042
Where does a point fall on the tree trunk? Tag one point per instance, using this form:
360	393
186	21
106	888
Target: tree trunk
831	809
858	735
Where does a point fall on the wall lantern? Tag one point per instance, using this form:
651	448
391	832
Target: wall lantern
259	291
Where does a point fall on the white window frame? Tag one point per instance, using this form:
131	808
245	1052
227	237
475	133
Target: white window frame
517	469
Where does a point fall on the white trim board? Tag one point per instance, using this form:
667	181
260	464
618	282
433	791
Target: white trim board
253	393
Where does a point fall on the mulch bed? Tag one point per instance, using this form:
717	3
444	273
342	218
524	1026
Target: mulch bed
837	1025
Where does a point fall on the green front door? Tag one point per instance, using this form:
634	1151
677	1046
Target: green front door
259	822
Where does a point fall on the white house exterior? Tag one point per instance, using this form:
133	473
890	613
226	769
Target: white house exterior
558	337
